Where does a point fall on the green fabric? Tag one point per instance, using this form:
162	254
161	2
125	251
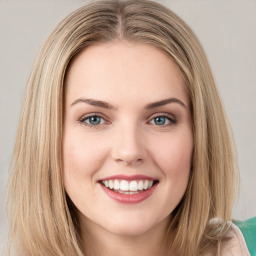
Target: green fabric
248	228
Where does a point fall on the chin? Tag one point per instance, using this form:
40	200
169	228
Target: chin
133	225
131	231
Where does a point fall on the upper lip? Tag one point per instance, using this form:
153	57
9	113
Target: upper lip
128	177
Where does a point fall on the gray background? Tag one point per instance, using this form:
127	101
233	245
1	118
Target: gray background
227	30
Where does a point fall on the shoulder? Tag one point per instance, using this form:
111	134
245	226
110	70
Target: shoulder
232	244
235	245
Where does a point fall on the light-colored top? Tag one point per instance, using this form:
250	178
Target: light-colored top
235	246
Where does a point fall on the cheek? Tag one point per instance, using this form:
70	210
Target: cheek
173	158
174	154
81	159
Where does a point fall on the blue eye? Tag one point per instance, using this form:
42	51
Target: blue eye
93	120
163	120
160	120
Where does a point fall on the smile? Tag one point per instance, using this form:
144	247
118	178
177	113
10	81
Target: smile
128	187
130	190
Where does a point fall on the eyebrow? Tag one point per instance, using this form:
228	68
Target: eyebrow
97	103
164	102
103	104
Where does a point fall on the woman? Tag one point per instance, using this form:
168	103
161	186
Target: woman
123	146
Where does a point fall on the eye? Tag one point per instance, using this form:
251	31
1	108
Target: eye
93	120
163	120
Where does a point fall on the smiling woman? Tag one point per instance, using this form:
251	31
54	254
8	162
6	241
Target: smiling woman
139	144
123	147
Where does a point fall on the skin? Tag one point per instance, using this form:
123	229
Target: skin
127	141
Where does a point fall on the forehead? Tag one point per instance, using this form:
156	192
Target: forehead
124	68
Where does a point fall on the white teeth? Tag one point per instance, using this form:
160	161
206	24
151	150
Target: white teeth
133	186
124	186
116	185
140	185
110	184
128	187
145	185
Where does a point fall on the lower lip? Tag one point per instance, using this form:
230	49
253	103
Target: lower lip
129	198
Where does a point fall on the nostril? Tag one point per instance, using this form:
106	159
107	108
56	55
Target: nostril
127	160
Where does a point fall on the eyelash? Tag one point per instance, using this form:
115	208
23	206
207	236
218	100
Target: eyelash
169	117
84	118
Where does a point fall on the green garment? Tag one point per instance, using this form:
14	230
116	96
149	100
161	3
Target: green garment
248	228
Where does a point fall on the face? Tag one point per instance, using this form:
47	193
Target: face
127	138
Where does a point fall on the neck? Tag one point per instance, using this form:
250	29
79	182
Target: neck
98	241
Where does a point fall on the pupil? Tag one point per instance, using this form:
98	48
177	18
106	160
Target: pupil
160	120
94	120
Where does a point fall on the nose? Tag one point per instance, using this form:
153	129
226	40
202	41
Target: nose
128	146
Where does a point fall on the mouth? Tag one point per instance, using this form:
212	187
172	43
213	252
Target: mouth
129	189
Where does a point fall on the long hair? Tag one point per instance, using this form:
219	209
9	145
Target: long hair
42	221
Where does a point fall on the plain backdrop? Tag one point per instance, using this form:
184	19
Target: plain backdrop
226	29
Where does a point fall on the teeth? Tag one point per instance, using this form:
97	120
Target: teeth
110	184
133	186
128	187
116	185
145	185
124	186
140	185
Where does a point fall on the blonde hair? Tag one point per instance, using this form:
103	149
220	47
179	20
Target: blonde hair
42	220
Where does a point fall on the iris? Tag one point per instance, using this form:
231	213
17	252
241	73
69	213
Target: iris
160	120
93	120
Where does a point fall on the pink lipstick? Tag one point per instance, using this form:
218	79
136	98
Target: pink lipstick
129	189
